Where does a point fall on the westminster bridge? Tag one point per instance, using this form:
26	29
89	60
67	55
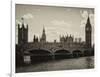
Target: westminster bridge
51	51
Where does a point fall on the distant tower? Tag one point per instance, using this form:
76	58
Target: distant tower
88	30
35	39
22	33
43	38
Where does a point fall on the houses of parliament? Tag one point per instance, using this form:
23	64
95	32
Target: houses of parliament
40	49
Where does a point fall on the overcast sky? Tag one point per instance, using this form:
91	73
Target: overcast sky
56	20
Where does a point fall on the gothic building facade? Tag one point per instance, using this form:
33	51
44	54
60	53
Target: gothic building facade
22	34
43	38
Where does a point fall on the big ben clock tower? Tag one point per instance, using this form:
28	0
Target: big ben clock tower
88	30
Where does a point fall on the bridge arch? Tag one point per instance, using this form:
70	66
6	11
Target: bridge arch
39	49
39	55
62	54
77	53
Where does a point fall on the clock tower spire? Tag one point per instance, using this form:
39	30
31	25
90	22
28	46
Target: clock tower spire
88	30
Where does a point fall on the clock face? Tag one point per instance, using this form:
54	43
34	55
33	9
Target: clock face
87	29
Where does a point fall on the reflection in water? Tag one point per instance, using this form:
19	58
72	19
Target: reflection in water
89	63
65	64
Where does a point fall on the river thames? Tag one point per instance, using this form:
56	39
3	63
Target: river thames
65	64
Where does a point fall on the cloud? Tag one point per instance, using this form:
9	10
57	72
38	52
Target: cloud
83	23
18	22
50	28
28	16
58	27
52	31
92	19
84	15
60	23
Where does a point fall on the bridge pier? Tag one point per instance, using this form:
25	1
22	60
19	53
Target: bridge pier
53	56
